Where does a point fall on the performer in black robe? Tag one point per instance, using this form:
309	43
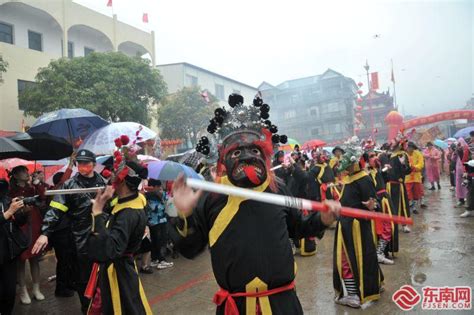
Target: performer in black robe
395	177
249	242
357	277
114	284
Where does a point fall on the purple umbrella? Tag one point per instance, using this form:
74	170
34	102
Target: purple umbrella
464	133
169	170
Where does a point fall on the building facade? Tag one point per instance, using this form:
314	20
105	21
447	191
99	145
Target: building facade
316	107
34	32
179	75
375	106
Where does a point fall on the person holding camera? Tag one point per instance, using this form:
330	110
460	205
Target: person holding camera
20	187
10	240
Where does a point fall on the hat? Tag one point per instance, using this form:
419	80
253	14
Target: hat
85	156
338	148
412	144
136	173
154	182
350	157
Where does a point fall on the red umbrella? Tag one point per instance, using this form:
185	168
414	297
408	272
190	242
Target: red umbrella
9	164
311	144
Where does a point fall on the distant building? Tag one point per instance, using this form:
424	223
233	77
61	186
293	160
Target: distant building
183	74
33	32
379	104
316	107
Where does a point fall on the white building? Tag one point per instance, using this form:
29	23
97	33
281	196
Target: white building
34	32
179	75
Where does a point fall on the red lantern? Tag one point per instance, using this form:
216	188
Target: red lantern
358	107
360	84
358	115
359	100
359	92
356	130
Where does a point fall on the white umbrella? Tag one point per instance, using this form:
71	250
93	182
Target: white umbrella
101	141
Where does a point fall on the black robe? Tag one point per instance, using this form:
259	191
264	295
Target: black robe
112	242
395	178
249	244
357	238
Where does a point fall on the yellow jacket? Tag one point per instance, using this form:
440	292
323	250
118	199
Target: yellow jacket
417	163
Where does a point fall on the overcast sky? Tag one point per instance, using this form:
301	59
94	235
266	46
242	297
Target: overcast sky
431	42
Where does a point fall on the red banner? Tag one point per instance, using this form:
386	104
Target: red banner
374	84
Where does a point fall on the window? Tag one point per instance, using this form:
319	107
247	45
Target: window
315	132
290	114
191	80
87	50
313	111
6	33
35	41
22	86
70	49
220	92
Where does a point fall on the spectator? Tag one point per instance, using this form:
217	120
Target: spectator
432	157
462	156
9	232
156	201
20	187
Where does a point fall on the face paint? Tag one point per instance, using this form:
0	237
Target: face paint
245	166
85	169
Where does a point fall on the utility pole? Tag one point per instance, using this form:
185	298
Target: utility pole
369	102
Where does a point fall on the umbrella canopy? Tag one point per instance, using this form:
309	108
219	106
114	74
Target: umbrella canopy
450	140
290	145
440	143
11	149
101	141
44	146
108	159
169	170
463	133
71	124
311	144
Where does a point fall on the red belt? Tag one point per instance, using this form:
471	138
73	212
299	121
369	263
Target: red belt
381	191
224	296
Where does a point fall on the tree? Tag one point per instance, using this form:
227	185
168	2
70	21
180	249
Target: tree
111	85
183	114
3	67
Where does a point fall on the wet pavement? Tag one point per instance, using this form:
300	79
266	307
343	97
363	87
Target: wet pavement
438	252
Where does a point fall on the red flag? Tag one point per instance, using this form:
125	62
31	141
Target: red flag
109	3
145	18
374	85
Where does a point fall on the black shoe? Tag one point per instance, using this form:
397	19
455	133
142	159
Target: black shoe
146	270
423	206
64	293
439	187
432	188
415	212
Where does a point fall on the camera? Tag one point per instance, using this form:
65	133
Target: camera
30	201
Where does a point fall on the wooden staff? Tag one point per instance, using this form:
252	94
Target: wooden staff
293	202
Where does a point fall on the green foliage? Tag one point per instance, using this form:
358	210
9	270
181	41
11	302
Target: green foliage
3	67
183	114
112	85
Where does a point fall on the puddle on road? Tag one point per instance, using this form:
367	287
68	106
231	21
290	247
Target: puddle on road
418	278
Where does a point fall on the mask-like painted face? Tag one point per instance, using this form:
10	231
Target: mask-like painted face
245	166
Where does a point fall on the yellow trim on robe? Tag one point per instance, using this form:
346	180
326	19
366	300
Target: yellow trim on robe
352	178
184	231
359	256
143	298
229	211
321	172
59	206
303	252
114	289
257	285
137	203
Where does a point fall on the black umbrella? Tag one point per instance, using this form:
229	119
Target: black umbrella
11	149
44	146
